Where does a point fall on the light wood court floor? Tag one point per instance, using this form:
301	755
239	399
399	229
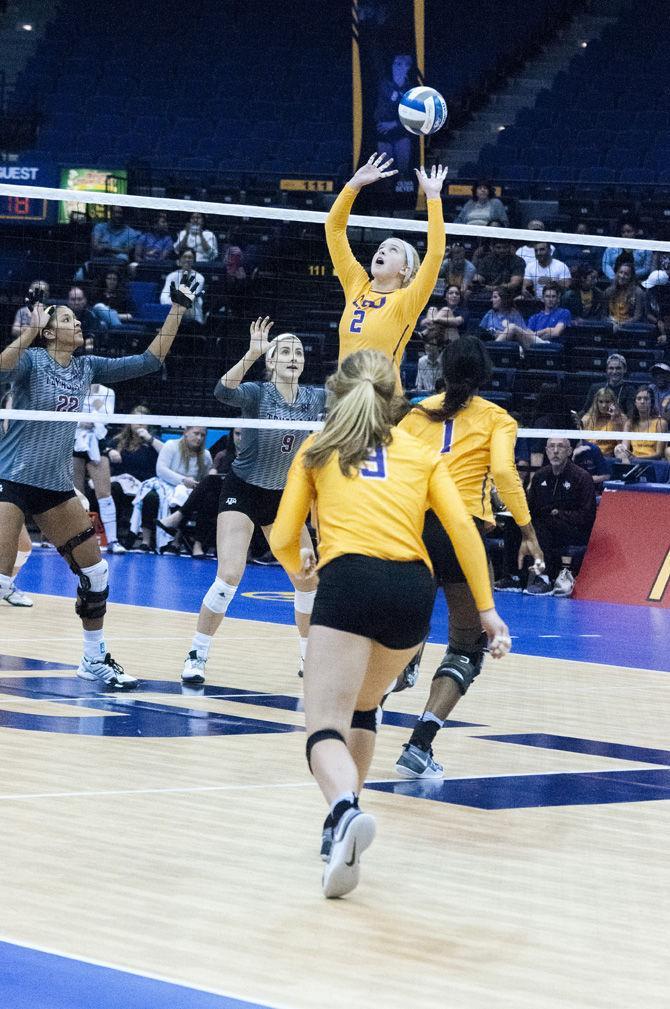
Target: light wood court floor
183	848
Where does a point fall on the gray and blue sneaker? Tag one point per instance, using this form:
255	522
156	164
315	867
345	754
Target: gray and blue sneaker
326	840
417	763
193	672
107	672
353	834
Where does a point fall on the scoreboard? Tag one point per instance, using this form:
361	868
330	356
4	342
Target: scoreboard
27	208
23	208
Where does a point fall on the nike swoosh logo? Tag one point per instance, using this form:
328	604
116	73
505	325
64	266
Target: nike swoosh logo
353	857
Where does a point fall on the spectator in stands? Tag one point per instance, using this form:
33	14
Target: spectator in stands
580	255
644	417
22	317
584	300
642	259
196	237
604	415
615	371
660	386
92	327
456	270
112	304
624	299
500	316
112	240
132	456
182	463
562	503
203	504
546	326
658	300
453	314
392	138
527	252
429	369
186	264
542	269
155	245
500	268
484	209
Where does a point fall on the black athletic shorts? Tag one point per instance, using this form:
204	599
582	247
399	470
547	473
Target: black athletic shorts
258	503
32	500
441	551
390	602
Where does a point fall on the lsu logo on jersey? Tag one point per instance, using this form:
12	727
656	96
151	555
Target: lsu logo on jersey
360	308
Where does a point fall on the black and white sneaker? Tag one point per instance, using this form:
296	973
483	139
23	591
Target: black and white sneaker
193	672
107	672
509	583
353	834
326	840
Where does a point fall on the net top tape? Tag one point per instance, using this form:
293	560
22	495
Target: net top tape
318	217
173	421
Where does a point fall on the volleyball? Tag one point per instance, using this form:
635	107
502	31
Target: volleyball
422	111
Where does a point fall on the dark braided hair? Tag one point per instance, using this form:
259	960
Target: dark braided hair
466	366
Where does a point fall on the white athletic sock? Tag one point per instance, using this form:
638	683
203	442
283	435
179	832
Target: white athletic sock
428	716
345	797
303	647
108	517
201	644
6	583
94	644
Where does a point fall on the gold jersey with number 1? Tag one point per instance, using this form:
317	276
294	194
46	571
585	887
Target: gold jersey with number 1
374	321
478	444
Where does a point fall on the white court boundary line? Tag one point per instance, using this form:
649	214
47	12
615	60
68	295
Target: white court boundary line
196	789
249	1000
177	421
318	217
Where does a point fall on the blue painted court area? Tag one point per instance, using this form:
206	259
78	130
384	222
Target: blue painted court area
32	979
574	629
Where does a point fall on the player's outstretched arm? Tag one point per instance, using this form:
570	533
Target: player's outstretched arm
377	167
182	299
421	288
259	344
431	184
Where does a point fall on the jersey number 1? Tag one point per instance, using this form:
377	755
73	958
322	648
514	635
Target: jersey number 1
448	436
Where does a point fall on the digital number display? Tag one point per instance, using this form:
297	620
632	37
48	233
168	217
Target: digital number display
24	208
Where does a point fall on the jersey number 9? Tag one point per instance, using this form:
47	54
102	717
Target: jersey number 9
287	443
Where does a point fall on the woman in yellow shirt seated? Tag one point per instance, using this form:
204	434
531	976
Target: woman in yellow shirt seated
604	414
371	483
643	418
381	313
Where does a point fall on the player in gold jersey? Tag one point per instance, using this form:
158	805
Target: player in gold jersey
371	483
477	439
381	314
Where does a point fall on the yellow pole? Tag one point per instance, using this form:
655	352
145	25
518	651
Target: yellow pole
420	48
357	97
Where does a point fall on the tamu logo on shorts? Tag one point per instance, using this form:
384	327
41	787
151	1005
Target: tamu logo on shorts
231	500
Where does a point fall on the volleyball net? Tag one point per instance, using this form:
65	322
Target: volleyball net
110	258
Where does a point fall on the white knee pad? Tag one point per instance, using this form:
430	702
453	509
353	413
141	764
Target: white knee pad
219	596
304	601
97	575
21	557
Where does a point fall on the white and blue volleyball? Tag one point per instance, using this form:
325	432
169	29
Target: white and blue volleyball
422	111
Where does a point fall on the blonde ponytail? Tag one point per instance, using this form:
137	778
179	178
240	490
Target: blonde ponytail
362	411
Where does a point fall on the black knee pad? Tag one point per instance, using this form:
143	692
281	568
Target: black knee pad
66	549
316	737
365	720
460	668
91	605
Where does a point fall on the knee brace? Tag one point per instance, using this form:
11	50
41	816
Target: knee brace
219	596
365	720
304	601
21	557
92	591
66	549
317	737
460	668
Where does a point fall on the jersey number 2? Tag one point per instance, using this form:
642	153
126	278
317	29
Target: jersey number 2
357	320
